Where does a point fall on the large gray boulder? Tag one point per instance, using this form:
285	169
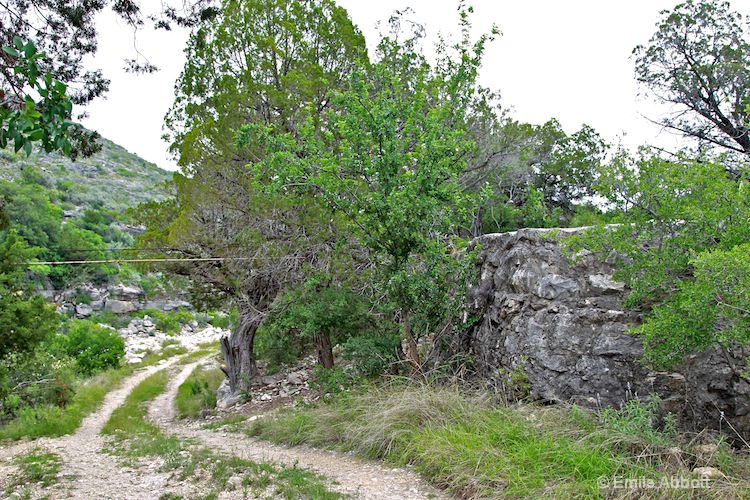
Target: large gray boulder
561	323
120	306
129	293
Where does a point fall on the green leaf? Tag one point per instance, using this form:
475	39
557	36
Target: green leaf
30	49
36	135
11	51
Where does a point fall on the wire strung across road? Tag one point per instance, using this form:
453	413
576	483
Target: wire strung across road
118	261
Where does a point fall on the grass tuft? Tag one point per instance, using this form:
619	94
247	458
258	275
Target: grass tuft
197	395
38	466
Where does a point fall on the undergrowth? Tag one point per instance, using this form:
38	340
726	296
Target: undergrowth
473	448
52	420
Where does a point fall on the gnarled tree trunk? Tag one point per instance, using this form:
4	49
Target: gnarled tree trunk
412	349
239	350
325	350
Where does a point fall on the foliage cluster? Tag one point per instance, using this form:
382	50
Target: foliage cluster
95	348
682	249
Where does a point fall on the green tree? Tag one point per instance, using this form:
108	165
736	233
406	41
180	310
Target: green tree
388	162
260	61
32	212
320	313
514	162
682	249
25	318
66	33
699	60
24	120
293	55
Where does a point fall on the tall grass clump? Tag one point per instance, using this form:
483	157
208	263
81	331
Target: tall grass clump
463	442
197	395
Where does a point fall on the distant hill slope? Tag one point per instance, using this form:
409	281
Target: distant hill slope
114	178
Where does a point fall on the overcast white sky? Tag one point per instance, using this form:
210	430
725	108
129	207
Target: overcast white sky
565	59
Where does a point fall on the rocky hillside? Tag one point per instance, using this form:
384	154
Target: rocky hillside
113	179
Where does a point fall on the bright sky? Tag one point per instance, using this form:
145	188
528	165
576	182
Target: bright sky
566	59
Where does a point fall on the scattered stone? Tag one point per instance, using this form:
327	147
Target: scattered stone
296	378
706	450
84	310
128	293
709	472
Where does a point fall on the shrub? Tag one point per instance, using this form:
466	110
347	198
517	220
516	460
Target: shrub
640	418
681	248
94	347
372	355
302	317
168	322
44	377
330	380
109	318
220	320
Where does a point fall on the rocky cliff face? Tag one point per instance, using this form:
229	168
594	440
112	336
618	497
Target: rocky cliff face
560	322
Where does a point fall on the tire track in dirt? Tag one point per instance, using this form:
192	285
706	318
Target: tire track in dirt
355	477
87	471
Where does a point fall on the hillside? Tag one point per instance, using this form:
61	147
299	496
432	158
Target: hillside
113	179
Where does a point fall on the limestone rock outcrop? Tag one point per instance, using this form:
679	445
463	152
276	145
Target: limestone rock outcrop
561	322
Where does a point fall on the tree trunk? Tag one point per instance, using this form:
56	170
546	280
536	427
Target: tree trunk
325	350
239	351
412	350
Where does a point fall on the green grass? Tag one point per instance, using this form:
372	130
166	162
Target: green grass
231	421
50	420
37	467
197	395
202	351
133	436
475	449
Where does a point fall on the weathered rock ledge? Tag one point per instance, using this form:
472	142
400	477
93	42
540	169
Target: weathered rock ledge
563	325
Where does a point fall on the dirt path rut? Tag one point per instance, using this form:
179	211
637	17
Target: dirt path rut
87	472
355	477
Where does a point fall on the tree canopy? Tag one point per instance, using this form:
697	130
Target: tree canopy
699	60
264	62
